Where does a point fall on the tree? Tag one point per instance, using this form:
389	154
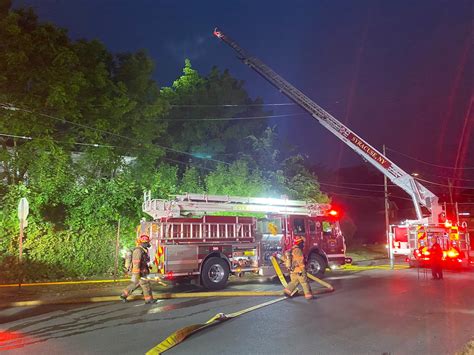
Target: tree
196	102
88	131
236	180
88	119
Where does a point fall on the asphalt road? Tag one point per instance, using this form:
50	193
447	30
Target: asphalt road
371	312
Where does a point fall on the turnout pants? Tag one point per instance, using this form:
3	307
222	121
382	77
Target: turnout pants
136	282
296	279
437	270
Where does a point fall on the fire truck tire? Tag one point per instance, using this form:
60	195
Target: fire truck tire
214	273
316	265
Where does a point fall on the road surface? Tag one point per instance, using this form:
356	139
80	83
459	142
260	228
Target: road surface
371	312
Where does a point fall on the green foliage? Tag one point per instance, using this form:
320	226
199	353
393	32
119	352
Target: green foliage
99	144
191	181
197	103
236	180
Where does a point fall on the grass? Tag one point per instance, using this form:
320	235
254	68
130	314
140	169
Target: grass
367	252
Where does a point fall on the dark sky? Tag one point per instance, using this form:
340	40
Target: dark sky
397	72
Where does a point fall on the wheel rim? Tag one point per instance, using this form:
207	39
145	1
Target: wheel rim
314	266
216	273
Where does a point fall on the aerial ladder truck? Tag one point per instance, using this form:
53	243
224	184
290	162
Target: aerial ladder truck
193	241
417	235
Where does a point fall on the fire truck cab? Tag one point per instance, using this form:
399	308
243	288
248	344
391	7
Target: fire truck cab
324	242
208	248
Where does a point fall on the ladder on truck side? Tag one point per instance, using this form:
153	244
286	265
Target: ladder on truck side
201	204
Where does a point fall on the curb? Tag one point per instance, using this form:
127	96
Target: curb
64	283
160	296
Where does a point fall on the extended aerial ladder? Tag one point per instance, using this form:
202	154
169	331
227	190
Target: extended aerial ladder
200	204
420	195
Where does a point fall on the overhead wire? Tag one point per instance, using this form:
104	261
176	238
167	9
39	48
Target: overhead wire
14	108
236	105
443	185
428	163
363	184
366	196
349	188
96	145
423	173
234	118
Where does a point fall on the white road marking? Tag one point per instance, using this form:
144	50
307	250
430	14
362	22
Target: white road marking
342	277
460	310
155	309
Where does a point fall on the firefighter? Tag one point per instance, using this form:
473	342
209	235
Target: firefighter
436	253
140	270
294	262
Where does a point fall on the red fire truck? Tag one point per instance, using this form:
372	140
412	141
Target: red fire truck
190	241
423	199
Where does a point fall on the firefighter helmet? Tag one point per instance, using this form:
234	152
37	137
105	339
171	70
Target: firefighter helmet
298	240
143	239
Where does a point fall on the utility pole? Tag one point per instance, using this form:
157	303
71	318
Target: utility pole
117	243
457	213
450	185
387	222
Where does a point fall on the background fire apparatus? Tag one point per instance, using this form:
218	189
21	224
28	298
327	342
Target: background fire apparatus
414	237
190	242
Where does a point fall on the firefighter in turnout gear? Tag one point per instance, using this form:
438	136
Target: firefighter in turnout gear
436	261
294	262
140	270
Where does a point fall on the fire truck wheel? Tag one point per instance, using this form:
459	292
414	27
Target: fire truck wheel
316	265
214	273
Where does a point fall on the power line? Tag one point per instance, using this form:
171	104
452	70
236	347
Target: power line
428	163
14	108
58	141
14	136
96	145
233	118
445	177
368	197
237	105
363	184
448	186
349	188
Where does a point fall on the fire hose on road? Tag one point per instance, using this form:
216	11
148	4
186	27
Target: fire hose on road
183	333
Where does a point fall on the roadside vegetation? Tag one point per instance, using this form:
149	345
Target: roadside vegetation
366	252
84	132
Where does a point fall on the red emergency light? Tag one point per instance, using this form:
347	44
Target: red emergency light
448	223
333	213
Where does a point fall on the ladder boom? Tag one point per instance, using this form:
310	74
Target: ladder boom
419	194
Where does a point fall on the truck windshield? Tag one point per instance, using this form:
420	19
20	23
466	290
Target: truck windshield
327	228
269	226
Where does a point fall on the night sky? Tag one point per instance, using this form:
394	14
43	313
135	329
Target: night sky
397	73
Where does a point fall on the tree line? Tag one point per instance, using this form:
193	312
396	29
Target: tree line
83	132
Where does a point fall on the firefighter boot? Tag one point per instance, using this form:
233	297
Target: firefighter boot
123	298
289	293
152	301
